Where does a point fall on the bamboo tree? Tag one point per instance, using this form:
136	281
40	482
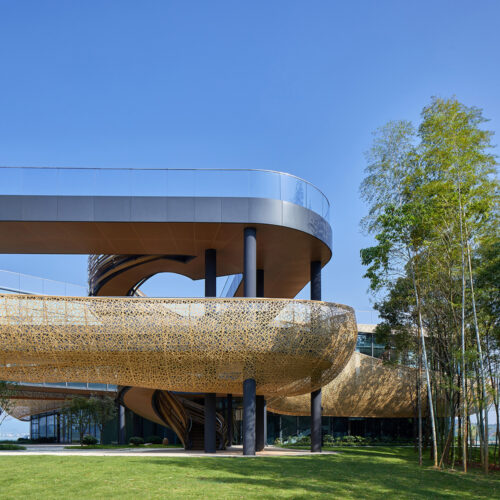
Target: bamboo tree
430	205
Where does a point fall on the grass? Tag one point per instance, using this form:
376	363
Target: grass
367	473
114	446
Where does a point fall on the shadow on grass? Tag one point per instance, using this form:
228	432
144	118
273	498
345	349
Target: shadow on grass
357	474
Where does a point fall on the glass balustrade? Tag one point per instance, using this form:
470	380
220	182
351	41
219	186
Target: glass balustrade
11	282
162	182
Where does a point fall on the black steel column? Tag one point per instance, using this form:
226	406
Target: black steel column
229	419
265	423
250	262
210	415
260	282
210	273
260	423
316	280
249	417
316	420
210	446
316	395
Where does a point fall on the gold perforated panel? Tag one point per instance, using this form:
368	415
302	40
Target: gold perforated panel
365	388
289	347
24	408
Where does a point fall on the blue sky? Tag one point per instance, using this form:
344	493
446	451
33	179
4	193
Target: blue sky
284	85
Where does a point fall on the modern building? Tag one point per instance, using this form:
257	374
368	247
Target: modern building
213	370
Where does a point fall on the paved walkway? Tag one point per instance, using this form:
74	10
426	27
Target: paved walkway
234	451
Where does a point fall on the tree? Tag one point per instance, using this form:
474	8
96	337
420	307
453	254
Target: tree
102	409
433	200
79	411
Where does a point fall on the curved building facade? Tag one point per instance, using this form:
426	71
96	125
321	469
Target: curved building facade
174	359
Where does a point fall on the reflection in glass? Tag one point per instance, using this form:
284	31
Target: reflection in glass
40	181
162	182
180	182
77	181
149	182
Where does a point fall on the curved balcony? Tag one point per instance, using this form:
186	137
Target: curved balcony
221	183
289	347
366	387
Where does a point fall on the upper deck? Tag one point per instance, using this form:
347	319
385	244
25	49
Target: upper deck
169	212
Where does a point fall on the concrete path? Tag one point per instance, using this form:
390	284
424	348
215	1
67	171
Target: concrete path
234	451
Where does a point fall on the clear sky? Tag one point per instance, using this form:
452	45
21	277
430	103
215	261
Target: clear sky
295	86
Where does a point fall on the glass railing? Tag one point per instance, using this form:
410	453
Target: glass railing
11	282
231	285
70	385
162	182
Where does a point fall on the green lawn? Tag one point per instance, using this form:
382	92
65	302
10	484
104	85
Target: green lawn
358	473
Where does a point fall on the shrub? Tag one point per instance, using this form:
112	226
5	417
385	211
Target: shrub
278	442
328	439
154	440
89	440
136	441
304	440
11	447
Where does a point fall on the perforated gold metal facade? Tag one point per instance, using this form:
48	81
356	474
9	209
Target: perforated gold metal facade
289	347
24	408
365	388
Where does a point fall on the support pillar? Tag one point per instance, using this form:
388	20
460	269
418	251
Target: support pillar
316	421
250	262
209	434
260	283
121	424
250	290
249	417
210	273
229	419
316	395
260	423
210	438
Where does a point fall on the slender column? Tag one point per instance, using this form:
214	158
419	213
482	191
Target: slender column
249	417
121	424
209	435
260	282
316	280
229	419
250	262
250	290
316	395
316	421
260	422
265	423
210	273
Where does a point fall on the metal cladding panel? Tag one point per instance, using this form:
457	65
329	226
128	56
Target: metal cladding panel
142	209
265	211
39	208
306	220
11	208
148	208
116	208
208	209
180	209
235	209
77	208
